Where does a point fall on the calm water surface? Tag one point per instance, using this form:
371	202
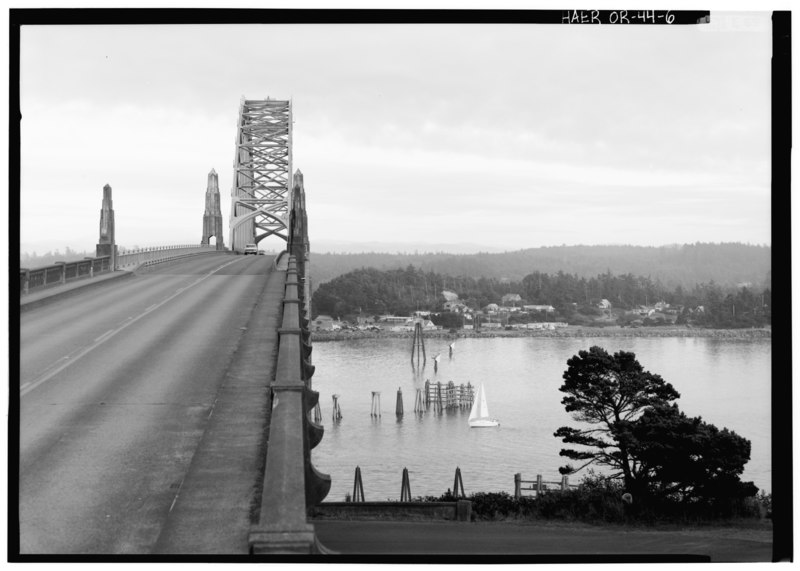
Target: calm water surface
727	382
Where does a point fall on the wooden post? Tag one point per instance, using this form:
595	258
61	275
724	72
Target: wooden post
399	406
458	485
418	404
427	393
418	345
517	486
439	404
564	483
358	486
539	487
337	412
405	491
376	404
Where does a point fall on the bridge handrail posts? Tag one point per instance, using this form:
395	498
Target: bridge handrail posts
154	254
25	278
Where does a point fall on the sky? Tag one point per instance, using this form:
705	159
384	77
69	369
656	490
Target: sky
497	136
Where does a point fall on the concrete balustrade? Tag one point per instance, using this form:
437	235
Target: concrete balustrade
291	483
37	279
148	256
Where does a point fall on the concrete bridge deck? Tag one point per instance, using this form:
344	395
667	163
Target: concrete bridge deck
151	439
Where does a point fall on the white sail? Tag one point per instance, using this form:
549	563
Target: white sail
473	413
479	414
483	408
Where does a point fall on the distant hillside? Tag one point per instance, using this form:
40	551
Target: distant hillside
725	264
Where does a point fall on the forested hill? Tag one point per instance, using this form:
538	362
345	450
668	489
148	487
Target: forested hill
726	264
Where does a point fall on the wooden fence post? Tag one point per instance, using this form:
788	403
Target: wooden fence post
517	486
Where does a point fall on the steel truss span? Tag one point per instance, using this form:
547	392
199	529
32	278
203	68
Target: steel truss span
260	196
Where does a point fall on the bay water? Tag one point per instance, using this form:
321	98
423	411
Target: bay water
725	381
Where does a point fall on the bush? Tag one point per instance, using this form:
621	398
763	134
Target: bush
598	499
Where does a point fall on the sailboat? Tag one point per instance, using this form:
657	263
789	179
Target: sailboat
479	415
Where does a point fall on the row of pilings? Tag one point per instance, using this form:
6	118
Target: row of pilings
405	487
438	396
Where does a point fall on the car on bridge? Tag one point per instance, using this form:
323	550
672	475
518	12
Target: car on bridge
250	249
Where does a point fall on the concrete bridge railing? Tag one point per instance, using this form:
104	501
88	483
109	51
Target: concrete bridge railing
291	483
131	259
37	279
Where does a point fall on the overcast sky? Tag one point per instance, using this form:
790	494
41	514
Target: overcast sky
503	136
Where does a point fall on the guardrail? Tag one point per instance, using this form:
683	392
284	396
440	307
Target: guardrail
62	272
539	486
127	259
37	279
291	483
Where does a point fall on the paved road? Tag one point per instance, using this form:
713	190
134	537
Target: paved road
118	387
500	539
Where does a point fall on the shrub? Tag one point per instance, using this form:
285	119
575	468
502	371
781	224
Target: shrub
599	499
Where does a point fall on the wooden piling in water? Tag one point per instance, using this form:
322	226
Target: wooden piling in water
405	490
376	404
427	393
419	406
458	485
398	409
418	345
358	487
337	412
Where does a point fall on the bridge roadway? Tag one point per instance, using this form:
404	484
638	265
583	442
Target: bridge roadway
143	410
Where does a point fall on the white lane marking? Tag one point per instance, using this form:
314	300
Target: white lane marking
29	386
109	332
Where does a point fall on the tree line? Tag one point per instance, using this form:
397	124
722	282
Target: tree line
370	292
725	263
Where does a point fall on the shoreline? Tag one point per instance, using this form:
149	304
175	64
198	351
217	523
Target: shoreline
573	331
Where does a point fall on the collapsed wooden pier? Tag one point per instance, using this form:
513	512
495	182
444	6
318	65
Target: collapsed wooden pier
448	396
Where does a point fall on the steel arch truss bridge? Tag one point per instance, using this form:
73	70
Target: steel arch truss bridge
260	196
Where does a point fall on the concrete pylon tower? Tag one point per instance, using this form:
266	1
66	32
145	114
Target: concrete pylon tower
106	245
212	218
